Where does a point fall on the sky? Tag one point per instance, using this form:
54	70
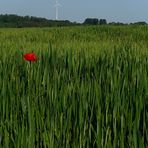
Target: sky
125	11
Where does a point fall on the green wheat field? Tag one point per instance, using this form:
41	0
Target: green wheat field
88	88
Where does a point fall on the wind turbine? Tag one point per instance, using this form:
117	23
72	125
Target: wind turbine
57	5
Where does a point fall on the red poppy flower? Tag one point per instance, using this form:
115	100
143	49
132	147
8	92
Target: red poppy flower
30	57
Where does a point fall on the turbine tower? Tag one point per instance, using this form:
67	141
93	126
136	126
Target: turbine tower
57	4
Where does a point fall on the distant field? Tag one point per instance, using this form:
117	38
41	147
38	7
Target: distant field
89	87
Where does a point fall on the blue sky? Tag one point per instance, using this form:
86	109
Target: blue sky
77	10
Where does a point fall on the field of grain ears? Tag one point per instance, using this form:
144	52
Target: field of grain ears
88	87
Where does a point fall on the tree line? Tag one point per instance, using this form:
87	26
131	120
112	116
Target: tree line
15	21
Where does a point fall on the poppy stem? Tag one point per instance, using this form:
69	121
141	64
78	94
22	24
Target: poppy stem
30	68
30	76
